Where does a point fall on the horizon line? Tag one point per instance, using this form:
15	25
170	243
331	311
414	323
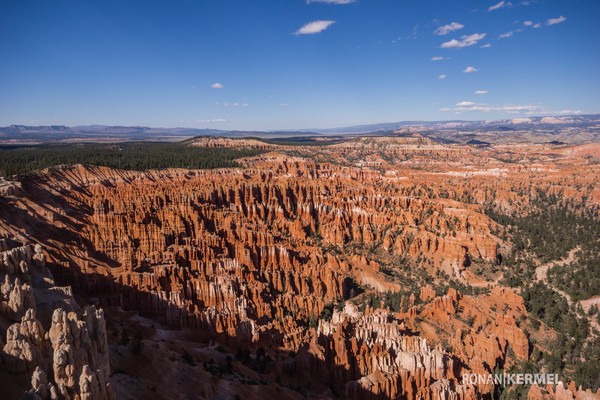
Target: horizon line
306	129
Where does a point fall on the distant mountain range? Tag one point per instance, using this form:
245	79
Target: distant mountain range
442	130
580	121
102	133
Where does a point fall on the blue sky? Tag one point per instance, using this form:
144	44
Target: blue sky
294	64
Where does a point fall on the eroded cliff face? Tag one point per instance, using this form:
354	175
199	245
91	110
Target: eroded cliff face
66	360
229	248
255	257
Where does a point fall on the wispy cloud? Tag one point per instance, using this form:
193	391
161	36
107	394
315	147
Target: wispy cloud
314	27
413	35
554	21
502	4
486	46
446	29
331	1
470	69
479	92
510	34
231	104
442	77
437	58
217	85
465	41
212	120
538	25
528	23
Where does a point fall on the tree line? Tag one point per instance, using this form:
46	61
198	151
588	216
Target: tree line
16	160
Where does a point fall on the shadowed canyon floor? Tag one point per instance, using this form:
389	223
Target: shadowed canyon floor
378	267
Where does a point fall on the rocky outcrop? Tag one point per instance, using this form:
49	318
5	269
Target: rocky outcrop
70	360
24	348
17	298
16	260
80	354
377	356
40	387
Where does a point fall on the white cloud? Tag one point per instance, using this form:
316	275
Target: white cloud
446	29
481	92
331	1
465	41
486	46
465	104
510	33
528	23
470	69
284	104
500	5
437	58
217	86
314	27
235	104
442	77
538	25
554	21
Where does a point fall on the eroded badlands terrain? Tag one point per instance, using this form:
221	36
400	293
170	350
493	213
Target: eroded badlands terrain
380	267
